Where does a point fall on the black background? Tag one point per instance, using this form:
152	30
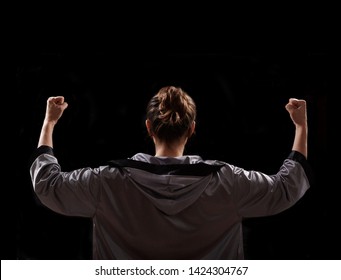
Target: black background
240	95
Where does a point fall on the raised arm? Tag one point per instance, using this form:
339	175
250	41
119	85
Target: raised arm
298	114
54	109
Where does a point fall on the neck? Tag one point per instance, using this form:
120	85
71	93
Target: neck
164	149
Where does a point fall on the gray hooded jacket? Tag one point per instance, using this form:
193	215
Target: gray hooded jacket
150	207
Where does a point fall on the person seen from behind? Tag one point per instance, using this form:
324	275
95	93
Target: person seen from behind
169	205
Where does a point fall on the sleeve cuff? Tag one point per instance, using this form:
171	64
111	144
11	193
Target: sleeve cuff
39	151
297	156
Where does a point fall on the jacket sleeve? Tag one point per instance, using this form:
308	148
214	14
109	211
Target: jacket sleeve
69	193
258	194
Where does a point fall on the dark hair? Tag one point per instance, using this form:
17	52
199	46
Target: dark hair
171	112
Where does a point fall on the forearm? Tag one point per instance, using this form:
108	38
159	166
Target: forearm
300	143
54	110
46	134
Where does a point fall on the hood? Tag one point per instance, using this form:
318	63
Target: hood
171	183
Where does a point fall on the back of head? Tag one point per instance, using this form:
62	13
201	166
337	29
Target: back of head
171	113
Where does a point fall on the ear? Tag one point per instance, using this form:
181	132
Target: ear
192	129
148	126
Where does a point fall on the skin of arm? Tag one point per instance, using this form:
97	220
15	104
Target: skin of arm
54	110
298	114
